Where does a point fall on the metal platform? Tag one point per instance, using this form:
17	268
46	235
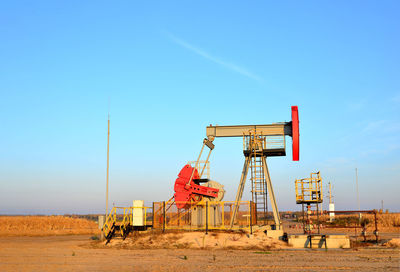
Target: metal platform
276	152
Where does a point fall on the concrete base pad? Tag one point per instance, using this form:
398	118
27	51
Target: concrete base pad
267	227
318	241
270	231
276	234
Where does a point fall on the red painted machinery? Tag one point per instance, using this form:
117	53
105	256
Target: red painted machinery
187	187
295	133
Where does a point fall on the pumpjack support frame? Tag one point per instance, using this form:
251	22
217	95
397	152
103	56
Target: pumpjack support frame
270	130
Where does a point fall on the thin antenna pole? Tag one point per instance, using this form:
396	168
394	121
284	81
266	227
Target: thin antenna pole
108	159
358	197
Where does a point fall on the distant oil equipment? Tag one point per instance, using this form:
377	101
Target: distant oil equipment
309	195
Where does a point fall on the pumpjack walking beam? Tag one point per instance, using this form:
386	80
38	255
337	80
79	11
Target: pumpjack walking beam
277	129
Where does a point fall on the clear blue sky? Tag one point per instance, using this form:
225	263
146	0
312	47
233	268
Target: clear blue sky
170	69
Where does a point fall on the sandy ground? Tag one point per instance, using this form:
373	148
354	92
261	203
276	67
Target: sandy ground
195	240
75	253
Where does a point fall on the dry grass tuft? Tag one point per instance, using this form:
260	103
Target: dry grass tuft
393	243
390	221
45	225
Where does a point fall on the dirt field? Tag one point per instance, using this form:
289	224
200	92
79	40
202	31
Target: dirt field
74	253
36	243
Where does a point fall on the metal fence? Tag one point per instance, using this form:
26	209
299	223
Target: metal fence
210	215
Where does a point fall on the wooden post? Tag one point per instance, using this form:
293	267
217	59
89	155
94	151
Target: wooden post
318	219
164	216
304	224
207	217
376	227
153	218
251	217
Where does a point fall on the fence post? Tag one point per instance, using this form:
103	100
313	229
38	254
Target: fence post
145	217
207	217
164	216
251	217
153	216
319	231
376	227
223	214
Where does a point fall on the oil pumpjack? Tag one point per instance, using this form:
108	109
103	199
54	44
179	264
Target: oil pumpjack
199	199
259	143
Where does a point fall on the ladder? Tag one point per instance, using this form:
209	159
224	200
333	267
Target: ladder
257	177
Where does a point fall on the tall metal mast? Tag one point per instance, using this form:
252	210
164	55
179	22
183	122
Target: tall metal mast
108	159
358	196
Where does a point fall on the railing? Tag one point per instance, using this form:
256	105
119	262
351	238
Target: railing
122	218
110	222
255	142
358	223
275	142
309	189
210	215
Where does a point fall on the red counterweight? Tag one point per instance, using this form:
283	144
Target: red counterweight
185	192
295	133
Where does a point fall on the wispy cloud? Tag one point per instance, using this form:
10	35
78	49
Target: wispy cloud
206	55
